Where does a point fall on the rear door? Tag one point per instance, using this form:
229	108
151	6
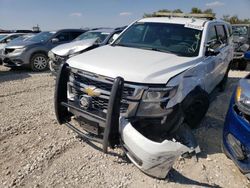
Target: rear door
211	61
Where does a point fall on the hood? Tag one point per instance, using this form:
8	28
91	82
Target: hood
73	47
21	44
134	65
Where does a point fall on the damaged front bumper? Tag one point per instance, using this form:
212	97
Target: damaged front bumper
154	158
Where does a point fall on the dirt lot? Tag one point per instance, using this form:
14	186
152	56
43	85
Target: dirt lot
37	152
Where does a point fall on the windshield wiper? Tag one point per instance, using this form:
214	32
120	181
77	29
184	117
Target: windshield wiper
124	45
157	50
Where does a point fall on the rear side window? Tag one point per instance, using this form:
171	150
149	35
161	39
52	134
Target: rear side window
221	33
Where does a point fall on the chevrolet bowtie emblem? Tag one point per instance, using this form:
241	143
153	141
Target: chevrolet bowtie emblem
92	91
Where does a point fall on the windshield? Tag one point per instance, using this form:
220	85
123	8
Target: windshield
23	38
92	35
239	30
42	37
2	37
163	37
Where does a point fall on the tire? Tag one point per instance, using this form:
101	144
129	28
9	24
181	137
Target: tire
39	62
223	83
242	64
195	107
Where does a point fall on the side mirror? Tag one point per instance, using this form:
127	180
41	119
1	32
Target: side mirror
211	52
8	40
210	48
55	40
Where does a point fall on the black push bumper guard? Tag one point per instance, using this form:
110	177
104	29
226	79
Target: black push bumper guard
111	122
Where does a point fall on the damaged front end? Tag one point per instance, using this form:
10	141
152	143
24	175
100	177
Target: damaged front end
116	113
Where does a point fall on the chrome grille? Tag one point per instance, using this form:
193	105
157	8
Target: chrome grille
79	81
103	85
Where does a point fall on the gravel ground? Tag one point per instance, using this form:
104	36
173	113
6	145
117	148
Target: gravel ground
37	152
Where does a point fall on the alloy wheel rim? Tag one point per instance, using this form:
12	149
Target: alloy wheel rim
40	63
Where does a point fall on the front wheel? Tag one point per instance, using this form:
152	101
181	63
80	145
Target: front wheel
39	62
195	107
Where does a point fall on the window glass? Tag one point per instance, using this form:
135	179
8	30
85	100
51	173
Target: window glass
230	30
92	35
75	34
222	36
43	36
216	37
14	36
162	37
2	37
240	30
64	36
212	34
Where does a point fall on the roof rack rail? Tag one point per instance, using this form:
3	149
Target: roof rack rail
185	15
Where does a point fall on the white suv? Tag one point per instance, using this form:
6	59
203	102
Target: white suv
145	90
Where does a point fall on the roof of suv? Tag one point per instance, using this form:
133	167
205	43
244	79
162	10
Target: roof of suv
178	20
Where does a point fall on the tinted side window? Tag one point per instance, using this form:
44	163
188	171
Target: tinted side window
212	35
221	32
75	34
64	36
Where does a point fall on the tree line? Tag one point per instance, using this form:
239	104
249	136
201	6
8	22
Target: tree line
231	19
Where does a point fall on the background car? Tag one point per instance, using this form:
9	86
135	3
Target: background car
33	52
236	134
5	38
241	39
85	42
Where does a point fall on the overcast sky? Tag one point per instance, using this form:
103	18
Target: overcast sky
57	14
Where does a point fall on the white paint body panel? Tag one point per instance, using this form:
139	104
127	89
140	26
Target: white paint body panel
134	65
73	47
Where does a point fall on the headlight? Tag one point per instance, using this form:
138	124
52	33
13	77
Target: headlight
242	100
51	55
154	102
19	50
